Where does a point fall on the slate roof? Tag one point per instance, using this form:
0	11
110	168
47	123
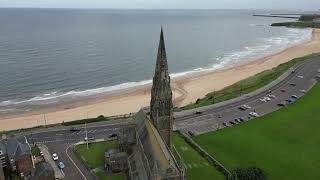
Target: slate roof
16	147
158	156
3	148
42	170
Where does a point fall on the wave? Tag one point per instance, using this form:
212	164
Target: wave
263	48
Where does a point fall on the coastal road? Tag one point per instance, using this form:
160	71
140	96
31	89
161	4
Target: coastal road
211	118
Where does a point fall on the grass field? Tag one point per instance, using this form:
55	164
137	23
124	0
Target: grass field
197	166
285	144
245	86
94	156
115	177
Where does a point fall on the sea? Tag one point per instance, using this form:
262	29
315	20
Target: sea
53	56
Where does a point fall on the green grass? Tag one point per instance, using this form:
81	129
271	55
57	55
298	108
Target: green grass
89	120
298	24
94	156
197	166
35	151
246	86
101	176
285	144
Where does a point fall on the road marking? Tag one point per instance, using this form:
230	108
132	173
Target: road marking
75	163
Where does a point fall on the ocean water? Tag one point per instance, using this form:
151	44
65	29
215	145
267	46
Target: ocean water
49	57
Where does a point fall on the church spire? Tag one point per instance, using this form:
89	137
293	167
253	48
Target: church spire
161	95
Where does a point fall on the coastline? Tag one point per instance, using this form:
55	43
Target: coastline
185	90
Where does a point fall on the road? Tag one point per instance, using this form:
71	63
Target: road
60	139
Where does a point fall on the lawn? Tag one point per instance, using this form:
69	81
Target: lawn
94	156
285	144
115	177
35	151
245	86
197	166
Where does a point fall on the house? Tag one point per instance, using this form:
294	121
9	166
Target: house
19	154
1	173
116	161
43	171
3	160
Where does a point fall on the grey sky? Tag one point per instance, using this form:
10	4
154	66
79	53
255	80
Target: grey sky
168	4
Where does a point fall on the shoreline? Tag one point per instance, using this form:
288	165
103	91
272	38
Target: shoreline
185	90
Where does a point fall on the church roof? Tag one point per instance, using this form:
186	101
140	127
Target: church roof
158	155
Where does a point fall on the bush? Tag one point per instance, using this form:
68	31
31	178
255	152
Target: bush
252	173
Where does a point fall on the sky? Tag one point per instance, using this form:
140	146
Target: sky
167	4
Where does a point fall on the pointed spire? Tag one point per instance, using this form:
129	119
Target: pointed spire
161	95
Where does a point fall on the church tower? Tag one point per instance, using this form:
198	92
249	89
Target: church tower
161	105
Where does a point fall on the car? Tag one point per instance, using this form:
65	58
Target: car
89	138
113	135
55	156
281	104
237	120
263	100
294	96
303	91
61	165
292	84
283	90
219	116
301	77
190	133
242	108
41	153
254	114
271	96
289	100
225	124
73	129
198	112
246	106
267	98
241	119
231	122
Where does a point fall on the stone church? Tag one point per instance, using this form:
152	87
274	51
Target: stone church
145	147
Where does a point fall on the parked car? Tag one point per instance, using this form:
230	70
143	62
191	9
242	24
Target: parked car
271	96
281	104
246	106
301	77
303	91
113	135
190	133
283	90
263	100
225	124
198	112
294	96
231	122
292	84
55	156
241	119
237	120
61	165
242	108
89	138
254	114
289	100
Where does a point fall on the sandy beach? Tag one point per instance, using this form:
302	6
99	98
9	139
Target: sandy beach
186	90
